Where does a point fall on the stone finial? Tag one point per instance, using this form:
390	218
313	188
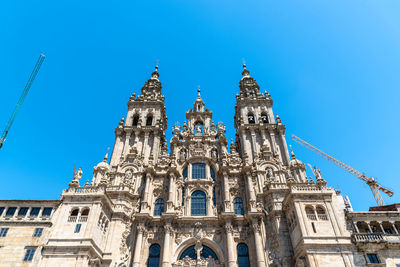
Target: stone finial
155	74
292	153
278	119
245	72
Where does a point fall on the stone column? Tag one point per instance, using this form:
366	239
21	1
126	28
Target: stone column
369	227
394	228
245	148
145	204
258	243
167	242
252	196
230	244
126	144
138	245
381	226
227	201
356	227
286	152
170	202
253	142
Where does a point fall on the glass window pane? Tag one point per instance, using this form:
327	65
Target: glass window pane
47	211
159	207
10	211
243	255
34	212
78	228
3	232
238	206
199	204
198	171
22	211
38	232
1	210
154	256
29	254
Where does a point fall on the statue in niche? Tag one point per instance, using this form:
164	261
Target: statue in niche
270	173
214	154
182	154
198	129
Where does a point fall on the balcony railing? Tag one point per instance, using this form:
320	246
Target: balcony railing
312	217
83	219
72	218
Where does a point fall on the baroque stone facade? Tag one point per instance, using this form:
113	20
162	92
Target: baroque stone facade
201	204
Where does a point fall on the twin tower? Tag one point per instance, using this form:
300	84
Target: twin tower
202	203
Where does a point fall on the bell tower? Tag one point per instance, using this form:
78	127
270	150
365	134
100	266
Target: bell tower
143	130
257	129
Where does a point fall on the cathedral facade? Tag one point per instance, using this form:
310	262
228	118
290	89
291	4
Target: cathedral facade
202	203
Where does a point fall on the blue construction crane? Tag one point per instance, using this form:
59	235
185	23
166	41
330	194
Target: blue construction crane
21	99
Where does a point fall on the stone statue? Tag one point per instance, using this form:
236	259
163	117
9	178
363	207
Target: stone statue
182	154
78	174
317	173
198	129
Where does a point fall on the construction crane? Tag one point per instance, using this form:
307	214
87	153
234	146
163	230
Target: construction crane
373	185
21	99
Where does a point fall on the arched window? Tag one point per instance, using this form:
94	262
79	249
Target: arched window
149	120
250	118
184	174
154	256
183	196
238	206
135	120
243	255
264	118
85	212
205	253
199	204
159	207
214	197
74	212
198	171
310	213
321	213
212	174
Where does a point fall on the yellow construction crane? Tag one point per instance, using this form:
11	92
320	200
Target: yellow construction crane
375	187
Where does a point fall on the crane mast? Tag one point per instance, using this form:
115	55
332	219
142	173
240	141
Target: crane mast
21	99
371	182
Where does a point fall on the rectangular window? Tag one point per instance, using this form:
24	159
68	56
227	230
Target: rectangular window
10	212
23	211
373	258
47	211
198	171
78	228
34	212
3	232
29	252
1	210
38	232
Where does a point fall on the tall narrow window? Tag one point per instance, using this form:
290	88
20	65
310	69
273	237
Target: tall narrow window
198	171
34	212
135	120
149	120
214	197
310	213
78	228
38	232
154	256
321	213
1	210
251	119
3	232
238	206
183	196
159	207
212	174
184	174
199	204
264	118
29	253
243	255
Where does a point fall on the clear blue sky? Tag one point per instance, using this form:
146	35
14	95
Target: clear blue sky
332	68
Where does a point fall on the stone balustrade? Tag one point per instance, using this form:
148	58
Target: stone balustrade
376	237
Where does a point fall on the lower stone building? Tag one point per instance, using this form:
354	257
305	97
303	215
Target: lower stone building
200	203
